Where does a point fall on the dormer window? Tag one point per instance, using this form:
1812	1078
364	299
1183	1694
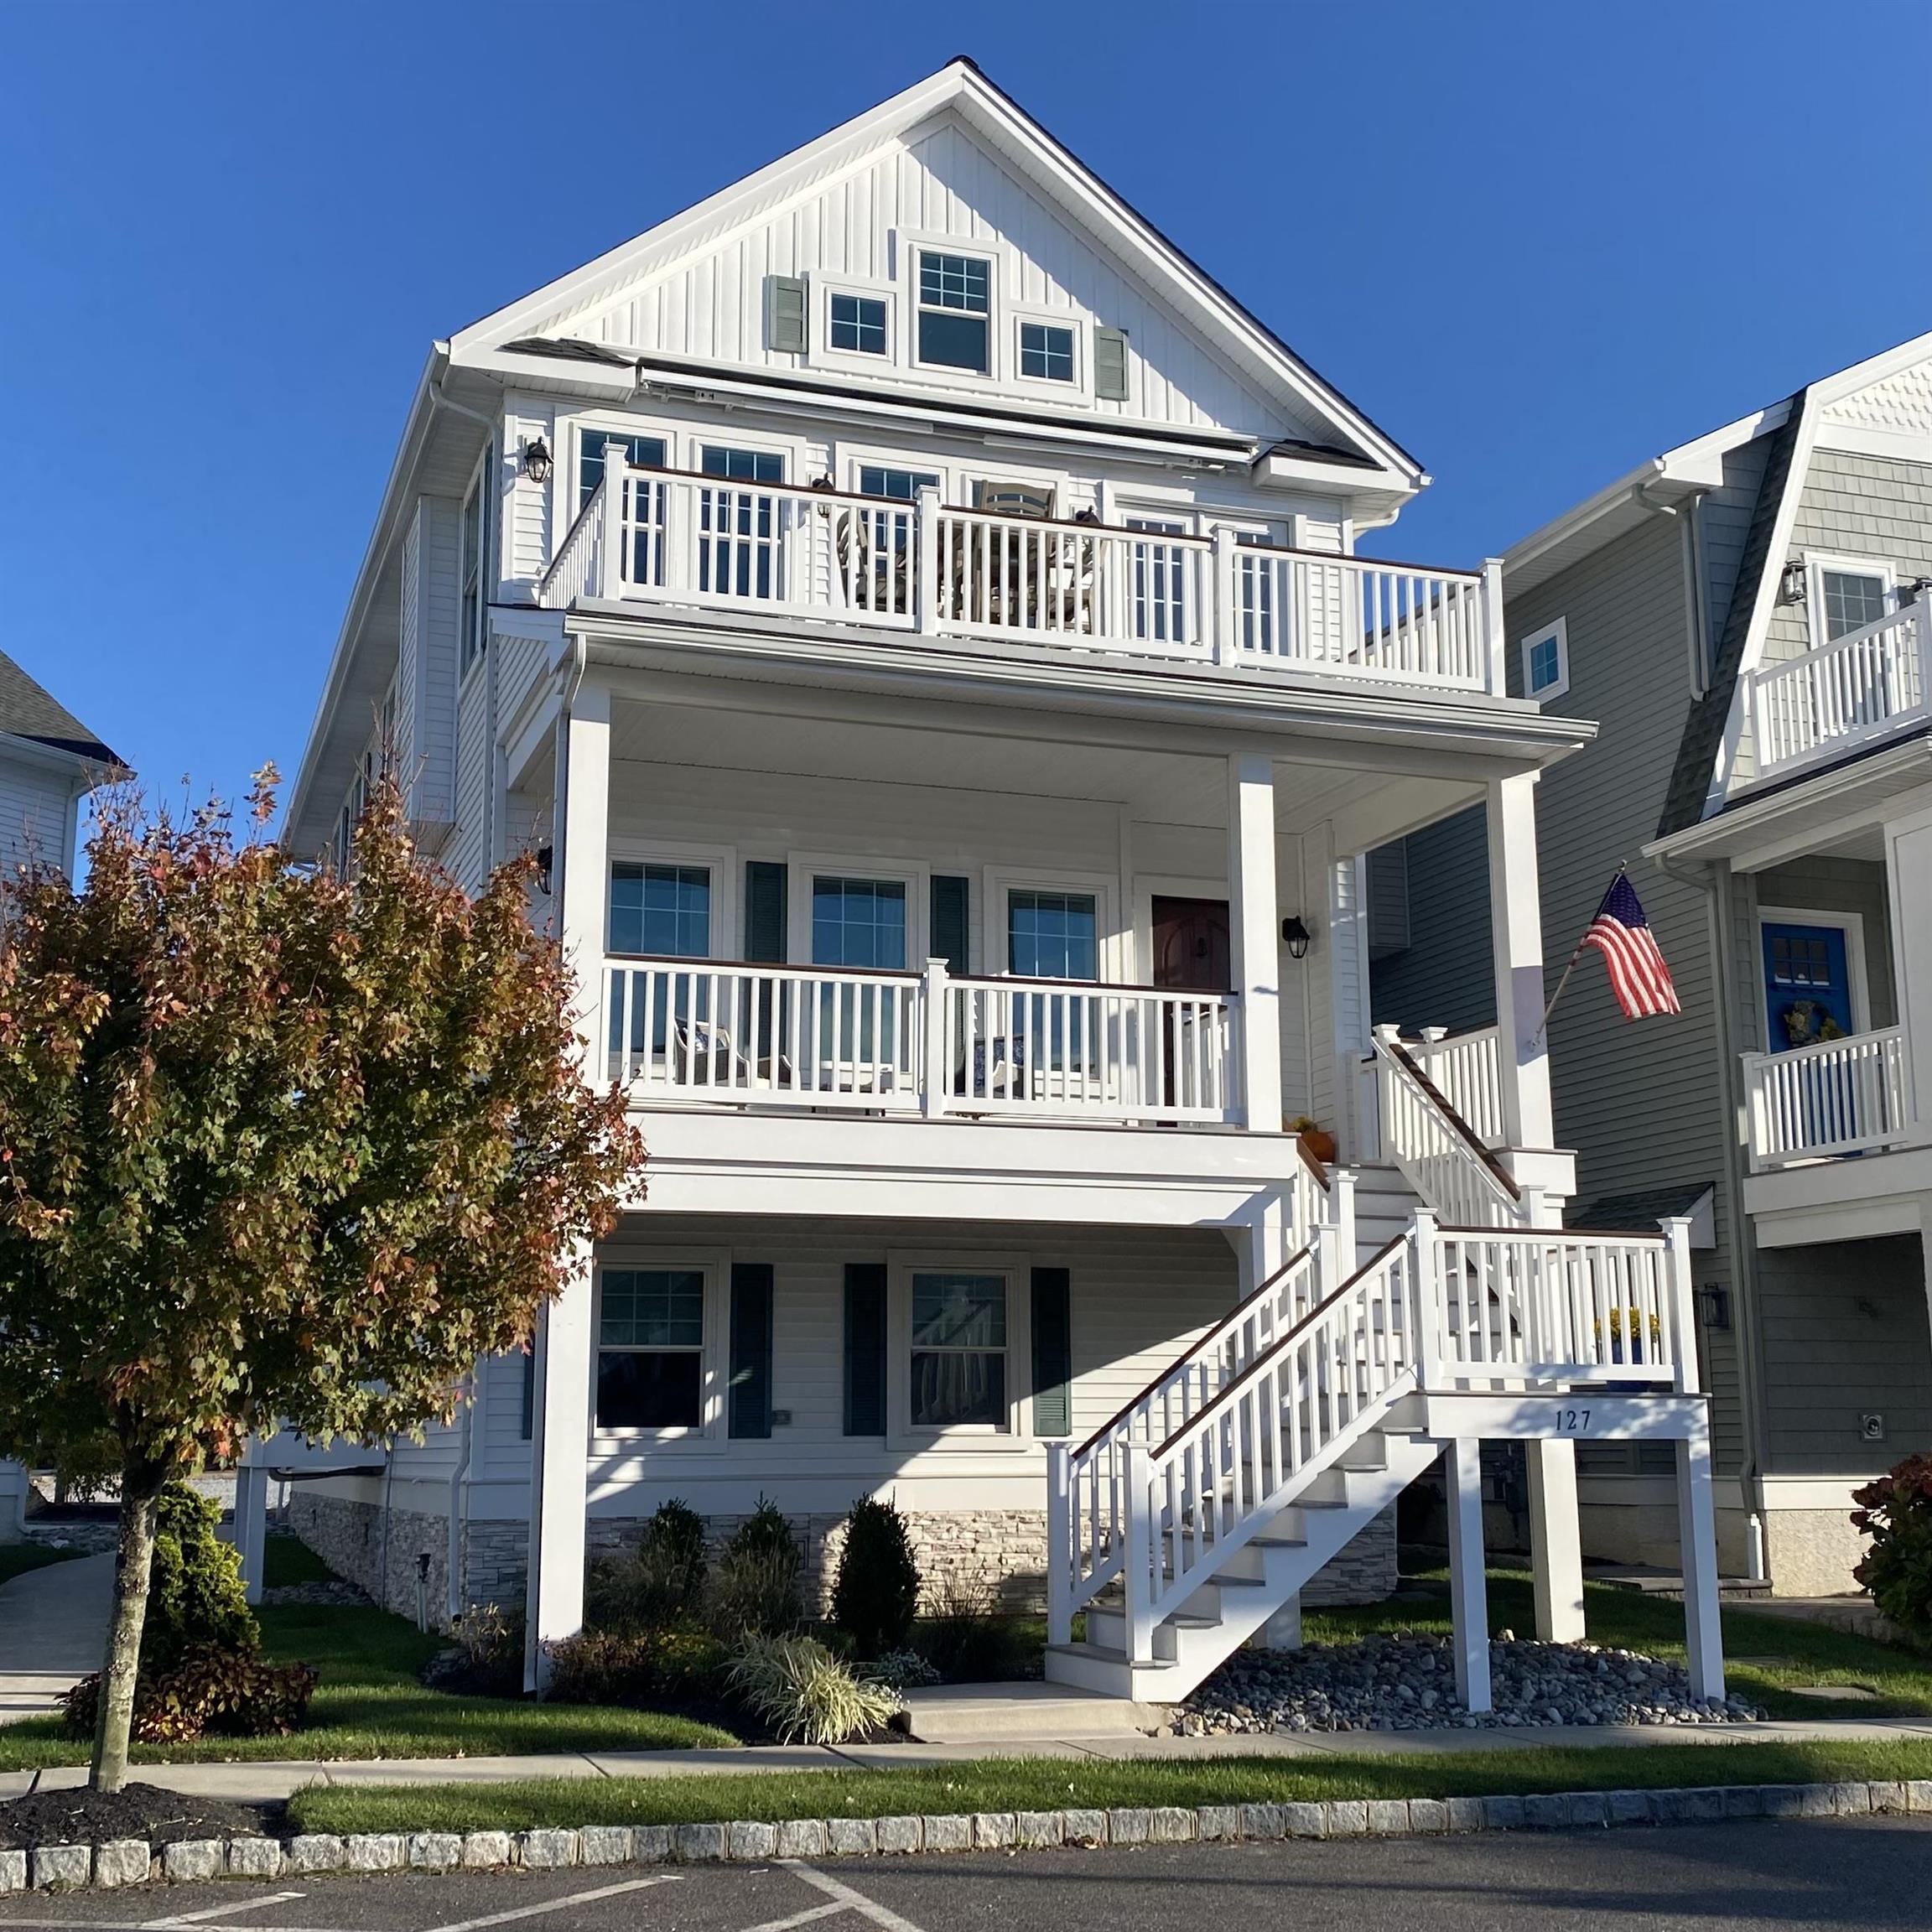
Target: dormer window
955	311
857	324
1046	352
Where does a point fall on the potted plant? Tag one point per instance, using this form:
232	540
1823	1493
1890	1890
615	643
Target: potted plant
1316	1142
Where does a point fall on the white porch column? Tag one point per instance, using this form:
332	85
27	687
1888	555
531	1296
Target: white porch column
250	1526
1698	1546
1255	936
1283	1630
1516	933
1468	1587
1556	1539
1261	1242
13	1483
559	1451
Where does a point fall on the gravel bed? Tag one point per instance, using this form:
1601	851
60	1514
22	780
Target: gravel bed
94	1539
1407	1683
333	1592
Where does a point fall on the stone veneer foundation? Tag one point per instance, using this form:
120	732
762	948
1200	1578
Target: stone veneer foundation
996	1555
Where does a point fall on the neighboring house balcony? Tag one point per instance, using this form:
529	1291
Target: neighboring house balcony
1842	698
671	539
1850	1095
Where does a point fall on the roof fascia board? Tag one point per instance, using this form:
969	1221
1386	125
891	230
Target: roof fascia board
1743	826
1873	369
962	87
1764	600
1698	465
77	765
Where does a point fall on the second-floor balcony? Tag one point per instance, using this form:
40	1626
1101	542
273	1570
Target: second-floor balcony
671	538
1853	692
931	1043
1835	1097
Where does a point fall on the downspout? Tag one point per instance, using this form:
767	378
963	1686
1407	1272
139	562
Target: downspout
1744	1253
454	1579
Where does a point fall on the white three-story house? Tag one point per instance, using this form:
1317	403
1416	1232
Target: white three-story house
915	615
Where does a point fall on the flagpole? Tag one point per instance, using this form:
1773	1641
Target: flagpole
1536	1038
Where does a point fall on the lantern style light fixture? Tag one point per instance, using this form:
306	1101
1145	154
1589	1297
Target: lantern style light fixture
1791	584
537	459
1295	937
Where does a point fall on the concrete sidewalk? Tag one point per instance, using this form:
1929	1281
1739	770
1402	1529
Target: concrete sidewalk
53	1631
271	1780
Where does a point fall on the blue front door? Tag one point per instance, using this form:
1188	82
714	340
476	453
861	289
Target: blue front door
1807	985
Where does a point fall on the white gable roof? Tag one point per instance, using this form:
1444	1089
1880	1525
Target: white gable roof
951	157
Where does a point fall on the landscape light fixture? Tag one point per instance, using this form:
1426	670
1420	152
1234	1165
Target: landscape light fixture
1294	938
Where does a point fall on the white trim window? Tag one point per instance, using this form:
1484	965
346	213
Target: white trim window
1847	593
653	1326
662	907
857	324
1048	350
959	1365
1546	661
953	312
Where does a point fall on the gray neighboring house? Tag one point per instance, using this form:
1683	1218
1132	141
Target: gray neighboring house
1742	616
49	763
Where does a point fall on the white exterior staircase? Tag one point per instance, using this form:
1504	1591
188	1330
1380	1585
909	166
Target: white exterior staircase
1206	1505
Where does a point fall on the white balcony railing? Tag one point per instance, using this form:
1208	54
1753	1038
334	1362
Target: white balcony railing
1846	693
1466	1070
671	537
1838	1096
931	1043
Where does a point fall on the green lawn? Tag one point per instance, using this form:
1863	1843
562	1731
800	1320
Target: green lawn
1764	1656
287	1560
1044	1784
370	1705
17	1559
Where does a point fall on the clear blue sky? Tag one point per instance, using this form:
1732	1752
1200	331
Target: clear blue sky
1537	242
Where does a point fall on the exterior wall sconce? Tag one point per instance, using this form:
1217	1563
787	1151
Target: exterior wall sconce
1714	1305
546	859
1791	584
1295	937
537	459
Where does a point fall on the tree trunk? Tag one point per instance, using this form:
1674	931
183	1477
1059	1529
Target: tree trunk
141	1485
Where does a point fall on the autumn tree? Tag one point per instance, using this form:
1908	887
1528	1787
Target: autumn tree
279	1144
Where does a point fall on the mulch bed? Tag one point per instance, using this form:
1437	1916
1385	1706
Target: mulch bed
81	1817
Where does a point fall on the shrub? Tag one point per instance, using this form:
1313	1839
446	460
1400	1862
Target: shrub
877	1589
1896	1512
489	1639
638	1668
209	1692
765	1531
195	1599
968	1640
806	1694
756	1592
659	1583
902	1670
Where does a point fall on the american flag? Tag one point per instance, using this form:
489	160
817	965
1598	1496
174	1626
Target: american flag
1638	974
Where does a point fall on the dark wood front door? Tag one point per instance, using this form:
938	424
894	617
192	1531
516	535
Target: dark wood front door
1190	947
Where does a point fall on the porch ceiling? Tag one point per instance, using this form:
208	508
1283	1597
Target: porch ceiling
1175	787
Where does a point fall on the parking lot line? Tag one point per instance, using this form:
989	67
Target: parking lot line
845	1896
219	1911
804	1918
559	1904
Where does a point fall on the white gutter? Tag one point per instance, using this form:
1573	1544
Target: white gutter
459	1501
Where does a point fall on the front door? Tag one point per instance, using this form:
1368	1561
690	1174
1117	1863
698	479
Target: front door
1191	949
1807	985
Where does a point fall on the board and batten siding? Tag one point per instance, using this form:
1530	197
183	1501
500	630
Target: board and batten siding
939	180
36	814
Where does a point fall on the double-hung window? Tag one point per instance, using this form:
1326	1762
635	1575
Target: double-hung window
857	324
738	528
664	911
880	479
650	1348
1053	935
475	558
1160	582
643	511
954	316
958	1367
858	924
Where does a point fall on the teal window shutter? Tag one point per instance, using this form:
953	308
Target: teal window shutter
1110	364
864	1348
785	312
765	911
1052	1352
749	1402
950	942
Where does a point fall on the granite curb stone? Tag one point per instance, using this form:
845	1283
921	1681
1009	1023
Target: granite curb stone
13	1871
124	1861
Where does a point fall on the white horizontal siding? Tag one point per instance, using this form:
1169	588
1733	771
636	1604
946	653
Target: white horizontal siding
710	305
34	804
470	850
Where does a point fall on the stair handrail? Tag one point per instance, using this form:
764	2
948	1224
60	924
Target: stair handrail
1482	1187
1289	1415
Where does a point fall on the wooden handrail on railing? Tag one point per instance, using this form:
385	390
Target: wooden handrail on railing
1439	1155
1478	1150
